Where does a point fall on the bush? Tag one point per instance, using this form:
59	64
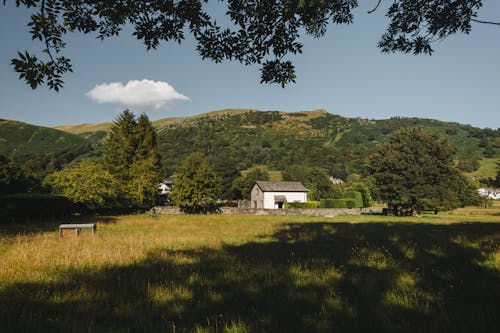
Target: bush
27	206
326	203
339	203
350	203
303	205
365	193
356	196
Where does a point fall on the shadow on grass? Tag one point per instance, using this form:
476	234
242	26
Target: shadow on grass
36	226
320	277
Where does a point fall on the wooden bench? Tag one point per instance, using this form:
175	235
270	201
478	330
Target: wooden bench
75	229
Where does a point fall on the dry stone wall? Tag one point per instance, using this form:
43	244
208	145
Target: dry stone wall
324	212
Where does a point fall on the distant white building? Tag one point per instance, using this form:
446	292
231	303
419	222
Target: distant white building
273	195
336	181
165	187
490	193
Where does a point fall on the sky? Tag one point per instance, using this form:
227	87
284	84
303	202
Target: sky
343	72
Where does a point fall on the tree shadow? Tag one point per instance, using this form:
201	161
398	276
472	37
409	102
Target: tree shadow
312	277
35	226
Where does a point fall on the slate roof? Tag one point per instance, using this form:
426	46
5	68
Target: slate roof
279	198
266	186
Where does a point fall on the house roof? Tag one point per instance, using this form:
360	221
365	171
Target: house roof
266	186
279	198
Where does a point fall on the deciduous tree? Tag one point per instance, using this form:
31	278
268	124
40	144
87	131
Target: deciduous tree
242	186
415	170
315	179
257	32
86	183
196	186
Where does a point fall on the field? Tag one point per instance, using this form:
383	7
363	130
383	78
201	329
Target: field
435	273
487	168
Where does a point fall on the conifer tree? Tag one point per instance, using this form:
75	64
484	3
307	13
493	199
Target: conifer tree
121	146
131	155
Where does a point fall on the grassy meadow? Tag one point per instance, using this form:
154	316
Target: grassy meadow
435	273
487	168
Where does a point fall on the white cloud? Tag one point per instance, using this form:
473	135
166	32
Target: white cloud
142	94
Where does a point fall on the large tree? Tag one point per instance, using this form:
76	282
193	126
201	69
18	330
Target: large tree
196	186
86	183
265	32
242	186
415	170
315	179
131	156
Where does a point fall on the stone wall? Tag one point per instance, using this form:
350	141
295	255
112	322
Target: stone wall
324	212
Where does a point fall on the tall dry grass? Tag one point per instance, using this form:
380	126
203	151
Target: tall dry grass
221	273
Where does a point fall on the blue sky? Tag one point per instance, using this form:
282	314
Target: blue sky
343	72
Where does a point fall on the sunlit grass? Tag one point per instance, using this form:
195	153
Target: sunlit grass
223	273
487	168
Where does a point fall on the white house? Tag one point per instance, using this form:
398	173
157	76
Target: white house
273	195
490	193
165	187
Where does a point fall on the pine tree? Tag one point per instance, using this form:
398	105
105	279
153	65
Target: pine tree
146	140
121	145
131	155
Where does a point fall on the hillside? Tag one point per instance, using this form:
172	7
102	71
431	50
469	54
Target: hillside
277	139
236	139
84	128
18	138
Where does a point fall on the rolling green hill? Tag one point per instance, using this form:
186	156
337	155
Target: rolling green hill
236	139
18	138
243	138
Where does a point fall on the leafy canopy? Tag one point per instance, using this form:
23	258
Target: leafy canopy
85	183
242	186
415	170
196	186
257	31
315	179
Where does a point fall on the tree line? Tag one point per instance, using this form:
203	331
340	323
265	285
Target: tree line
413	171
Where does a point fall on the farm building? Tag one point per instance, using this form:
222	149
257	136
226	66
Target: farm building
490	193
273	195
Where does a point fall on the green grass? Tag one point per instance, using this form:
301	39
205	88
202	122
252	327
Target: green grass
435	273
487	168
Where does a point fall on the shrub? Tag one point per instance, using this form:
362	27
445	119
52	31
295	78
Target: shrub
27	206
303	205
356	197
339	203
326	203
365	193
350	203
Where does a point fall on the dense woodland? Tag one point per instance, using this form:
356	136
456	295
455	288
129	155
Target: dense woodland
239	145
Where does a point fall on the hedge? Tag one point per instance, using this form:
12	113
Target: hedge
29	206
351	203
326	203
339	203
356	196
304	205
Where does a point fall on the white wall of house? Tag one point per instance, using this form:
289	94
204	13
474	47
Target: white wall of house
290	197
265	200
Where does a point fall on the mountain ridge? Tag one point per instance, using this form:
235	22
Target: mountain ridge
242	138
159	123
